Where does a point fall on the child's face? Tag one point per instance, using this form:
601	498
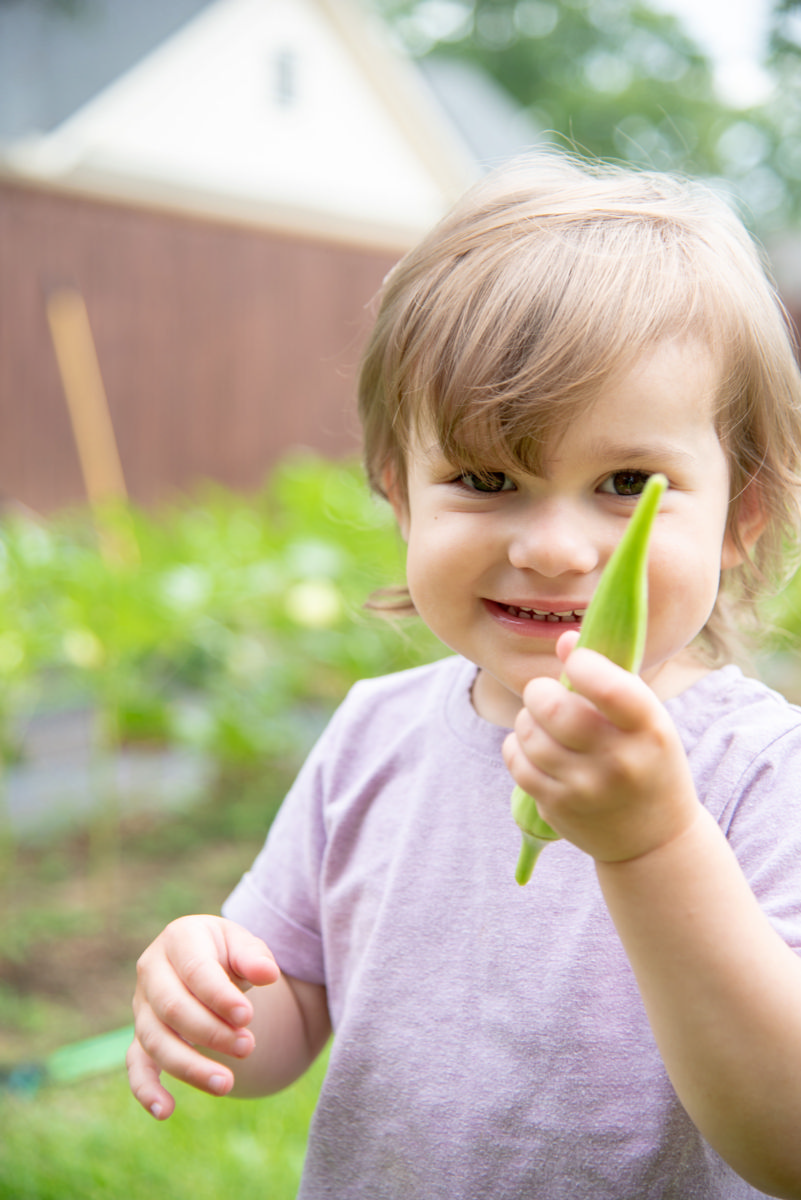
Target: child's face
477	557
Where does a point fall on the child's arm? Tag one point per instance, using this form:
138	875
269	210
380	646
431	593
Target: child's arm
190	994
721	989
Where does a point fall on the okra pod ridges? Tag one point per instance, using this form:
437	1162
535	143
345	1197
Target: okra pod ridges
615	625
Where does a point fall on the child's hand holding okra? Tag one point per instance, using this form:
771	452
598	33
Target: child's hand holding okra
603	759
611	748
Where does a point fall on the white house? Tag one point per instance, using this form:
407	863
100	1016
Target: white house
294	113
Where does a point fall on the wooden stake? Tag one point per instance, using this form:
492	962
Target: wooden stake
86	396
91	420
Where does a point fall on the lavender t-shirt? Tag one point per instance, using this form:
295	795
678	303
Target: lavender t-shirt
489	1040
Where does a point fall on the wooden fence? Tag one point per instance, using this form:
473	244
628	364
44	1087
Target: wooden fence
221	346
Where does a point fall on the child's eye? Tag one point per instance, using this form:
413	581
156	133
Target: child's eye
491	482
625	483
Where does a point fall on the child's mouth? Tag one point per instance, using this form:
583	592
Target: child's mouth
564	617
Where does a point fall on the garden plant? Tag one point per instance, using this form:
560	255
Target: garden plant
225	625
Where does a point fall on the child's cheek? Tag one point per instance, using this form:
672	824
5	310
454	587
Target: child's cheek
683	584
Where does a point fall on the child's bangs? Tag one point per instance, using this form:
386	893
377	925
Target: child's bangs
518	350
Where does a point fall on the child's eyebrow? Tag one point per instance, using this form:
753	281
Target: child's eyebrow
656	455
626	454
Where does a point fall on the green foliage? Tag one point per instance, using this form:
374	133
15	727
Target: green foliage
782	120
229	624
786	31
781	617
585	68
621	80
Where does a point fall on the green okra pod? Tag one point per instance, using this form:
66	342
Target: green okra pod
615	625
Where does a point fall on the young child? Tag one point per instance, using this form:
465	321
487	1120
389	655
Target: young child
628	1025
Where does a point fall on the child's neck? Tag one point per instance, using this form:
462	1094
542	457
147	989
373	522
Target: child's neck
675	676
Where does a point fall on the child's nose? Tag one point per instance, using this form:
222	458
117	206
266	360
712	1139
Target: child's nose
553	541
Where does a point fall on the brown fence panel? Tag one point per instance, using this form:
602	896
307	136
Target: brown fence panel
221	346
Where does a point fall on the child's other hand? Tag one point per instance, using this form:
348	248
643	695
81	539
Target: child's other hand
603	761
189	994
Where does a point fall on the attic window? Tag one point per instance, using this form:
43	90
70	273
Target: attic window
284	77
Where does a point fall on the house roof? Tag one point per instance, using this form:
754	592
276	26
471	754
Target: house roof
56	55
297	113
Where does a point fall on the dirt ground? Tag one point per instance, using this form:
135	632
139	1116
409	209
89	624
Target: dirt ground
74	918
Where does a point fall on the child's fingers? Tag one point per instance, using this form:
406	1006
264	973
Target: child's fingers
216	960
145	1082
530	777
555	719
179	1060
166	1004
567	644
248	956
622	698
189	997
170	1053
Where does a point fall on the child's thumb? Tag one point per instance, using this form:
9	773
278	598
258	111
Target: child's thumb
567	644
250	959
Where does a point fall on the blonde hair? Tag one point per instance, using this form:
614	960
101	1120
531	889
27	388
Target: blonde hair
543	282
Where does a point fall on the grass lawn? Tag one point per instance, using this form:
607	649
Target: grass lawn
75	913
92	1140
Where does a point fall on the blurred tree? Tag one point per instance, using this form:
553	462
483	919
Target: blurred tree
619	80
786	28
784	108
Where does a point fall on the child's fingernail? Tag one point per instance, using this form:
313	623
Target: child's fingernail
242	1045
240	1016
218	1084
156	1110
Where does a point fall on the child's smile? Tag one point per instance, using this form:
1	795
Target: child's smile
500	566
527	621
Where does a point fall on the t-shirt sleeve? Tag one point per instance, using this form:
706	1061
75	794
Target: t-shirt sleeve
278	899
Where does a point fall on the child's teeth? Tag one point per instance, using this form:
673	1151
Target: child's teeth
535	614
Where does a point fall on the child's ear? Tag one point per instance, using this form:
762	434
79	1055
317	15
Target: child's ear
751	521
395	493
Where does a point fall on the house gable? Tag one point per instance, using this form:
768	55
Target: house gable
294	112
